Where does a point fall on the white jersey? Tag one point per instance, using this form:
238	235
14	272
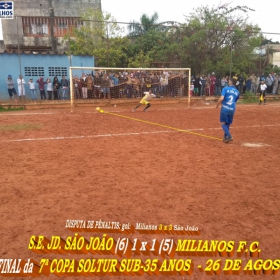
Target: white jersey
148	96
21	89
263	87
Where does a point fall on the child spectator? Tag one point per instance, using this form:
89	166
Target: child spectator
49	88
32	88
263	88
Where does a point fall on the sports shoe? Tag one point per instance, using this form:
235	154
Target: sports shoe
133	110
228	139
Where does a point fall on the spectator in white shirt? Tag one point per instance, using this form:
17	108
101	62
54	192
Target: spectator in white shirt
32	88
49	88
21	89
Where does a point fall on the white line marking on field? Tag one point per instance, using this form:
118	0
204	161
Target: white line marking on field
255	145
89	136
25	114
134	133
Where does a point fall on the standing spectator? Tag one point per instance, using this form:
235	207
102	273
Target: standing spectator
163	84
223	83
90	89
76	87
191	89
241	83
56	86
196	85
11	88
269	83
218	86
275	85
208	82
105	85
42	83
97	85
21	88
249	84
262	78
49	88
202	82
64	86
254	83
83	81
212	84
32	88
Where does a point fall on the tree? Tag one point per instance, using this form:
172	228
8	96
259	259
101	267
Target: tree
101	37
219	39
146	23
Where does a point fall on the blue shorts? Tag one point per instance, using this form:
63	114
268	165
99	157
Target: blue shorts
12	91
226	117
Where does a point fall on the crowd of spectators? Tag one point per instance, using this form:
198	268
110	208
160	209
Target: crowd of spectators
132	84
212	85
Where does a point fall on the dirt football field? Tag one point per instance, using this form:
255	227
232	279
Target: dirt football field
165	166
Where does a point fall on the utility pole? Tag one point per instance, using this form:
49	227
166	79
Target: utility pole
51	15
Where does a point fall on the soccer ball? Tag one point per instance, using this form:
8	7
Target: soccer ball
115	105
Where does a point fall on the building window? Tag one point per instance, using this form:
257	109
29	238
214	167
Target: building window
34	71
35	26
64	26
57	71
41	26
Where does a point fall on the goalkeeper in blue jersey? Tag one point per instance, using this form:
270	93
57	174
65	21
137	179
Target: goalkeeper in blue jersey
228	100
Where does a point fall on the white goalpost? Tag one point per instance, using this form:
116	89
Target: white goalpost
89	83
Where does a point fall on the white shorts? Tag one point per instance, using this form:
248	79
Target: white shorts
21	92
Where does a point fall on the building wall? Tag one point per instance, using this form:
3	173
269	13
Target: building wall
276	59
35	66
13	28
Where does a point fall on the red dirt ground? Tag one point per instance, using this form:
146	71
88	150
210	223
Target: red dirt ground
141	173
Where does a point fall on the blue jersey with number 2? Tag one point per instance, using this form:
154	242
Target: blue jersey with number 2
231	95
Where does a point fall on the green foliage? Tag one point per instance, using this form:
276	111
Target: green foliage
215	39
101	37
271	69
221	36
146	23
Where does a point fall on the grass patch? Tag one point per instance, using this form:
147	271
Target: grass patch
20	127
10	108
249	97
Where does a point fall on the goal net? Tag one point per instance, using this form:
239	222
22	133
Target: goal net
89	83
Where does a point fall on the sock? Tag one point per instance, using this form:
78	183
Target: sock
148	105
226	130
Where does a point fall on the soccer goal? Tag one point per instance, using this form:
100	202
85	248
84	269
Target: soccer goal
92	83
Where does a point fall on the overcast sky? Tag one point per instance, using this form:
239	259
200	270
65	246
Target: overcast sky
266	15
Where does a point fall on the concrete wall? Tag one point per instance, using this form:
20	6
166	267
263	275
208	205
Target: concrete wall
13	30
12	66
